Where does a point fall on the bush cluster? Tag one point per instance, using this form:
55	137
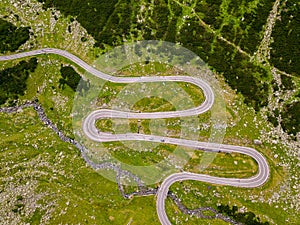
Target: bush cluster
13	80
11	37
247	218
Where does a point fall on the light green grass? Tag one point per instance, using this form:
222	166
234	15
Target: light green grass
30	152
225	165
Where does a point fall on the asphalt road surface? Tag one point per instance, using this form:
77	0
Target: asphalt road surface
94	134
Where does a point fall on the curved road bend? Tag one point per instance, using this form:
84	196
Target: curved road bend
93	133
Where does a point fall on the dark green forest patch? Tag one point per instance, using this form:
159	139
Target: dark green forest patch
118	24
245	77
285	50
157	25
290	118
13	80
12	37
209	12
71	78
287	82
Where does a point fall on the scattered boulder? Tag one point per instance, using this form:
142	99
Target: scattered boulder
257	142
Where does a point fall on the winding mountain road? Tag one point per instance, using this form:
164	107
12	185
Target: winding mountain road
94	134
